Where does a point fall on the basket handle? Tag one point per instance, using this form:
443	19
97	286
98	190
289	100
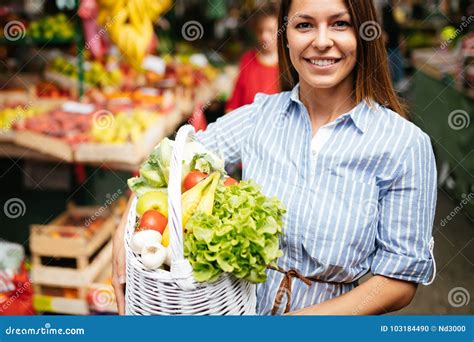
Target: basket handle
181	269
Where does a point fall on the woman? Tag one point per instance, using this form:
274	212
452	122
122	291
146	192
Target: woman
358	180
258	70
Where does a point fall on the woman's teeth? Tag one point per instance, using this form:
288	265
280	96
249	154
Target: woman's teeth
322	62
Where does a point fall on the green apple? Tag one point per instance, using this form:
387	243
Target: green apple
156	200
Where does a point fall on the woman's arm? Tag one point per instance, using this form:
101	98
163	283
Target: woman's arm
378	295
118	261
402	257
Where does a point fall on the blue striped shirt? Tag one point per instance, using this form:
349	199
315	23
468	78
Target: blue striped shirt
363	202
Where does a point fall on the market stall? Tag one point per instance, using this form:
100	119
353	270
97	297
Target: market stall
100	101
77	123
443	107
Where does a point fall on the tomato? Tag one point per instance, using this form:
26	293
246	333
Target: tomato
153	219
192	178
230	181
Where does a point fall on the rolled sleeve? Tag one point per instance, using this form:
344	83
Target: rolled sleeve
227	134
404	234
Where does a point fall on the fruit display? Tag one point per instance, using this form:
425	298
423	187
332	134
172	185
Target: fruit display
125	126
45	89
70	127
52	27
95	73
229	226
16	113
130	25
78	222
189	70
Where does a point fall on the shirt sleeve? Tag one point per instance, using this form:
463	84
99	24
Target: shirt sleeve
404	241
227	135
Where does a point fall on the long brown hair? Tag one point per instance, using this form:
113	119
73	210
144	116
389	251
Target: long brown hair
372	76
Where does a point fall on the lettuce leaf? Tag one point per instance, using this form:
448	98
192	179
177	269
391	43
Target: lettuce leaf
240	237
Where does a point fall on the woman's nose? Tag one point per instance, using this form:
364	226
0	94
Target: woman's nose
322	40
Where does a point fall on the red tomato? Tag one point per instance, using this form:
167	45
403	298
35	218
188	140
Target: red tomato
230	181
192	178
152	219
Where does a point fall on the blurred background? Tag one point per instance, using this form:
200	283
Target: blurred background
87	89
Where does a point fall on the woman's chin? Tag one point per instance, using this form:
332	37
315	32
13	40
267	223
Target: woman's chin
322	84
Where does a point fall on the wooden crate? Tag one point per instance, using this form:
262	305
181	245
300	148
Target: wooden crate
67	256
42	143
101	294
70	302
129	153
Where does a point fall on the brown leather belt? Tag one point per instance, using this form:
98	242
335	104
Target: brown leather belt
285	287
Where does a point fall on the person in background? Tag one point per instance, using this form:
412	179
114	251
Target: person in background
258	70
392	31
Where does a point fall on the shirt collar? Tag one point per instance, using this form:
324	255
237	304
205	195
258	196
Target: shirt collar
358	115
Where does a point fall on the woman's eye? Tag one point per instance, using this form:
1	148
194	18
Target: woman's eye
303	26
341	23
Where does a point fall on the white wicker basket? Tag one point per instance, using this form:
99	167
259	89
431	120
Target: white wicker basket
176	292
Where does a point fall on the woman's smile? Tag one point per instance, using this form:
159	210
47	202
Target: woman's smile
322	64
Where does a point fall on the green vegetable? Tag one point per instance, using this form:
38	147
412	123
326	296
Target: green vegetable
139	186
240	237
161	157
154	172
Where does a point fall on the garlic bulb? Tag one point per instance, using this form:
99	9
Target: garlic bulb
143	237
153	255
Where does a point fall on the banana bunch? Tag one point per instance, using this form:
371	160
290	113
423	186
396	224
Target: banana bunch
123	128
129	24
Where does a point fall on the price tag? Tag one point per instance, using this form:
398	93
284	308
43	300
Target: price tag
155	64
77	107
198	59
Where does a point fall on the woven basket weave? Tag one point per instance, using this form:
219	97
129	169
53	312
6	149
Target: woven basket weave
175	292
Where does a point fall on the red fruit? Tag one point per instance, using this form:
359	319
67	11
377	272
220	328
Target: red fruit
230	181
154	220
192	178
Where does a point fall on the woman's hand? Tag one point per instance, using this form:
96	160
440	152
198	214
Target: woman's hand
118	261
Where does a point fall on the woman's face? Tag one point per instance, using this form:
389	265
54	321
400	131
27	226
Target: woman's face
266	33
322	42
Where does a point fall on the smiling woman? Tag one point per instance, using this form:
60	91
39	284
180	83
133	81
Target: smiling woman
318	36
358	180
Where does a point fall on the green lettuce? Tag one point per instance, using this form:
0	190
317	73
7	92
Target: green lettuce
240	237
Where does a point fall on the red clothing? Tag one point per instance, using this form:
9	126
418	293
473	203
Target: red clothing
254	77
